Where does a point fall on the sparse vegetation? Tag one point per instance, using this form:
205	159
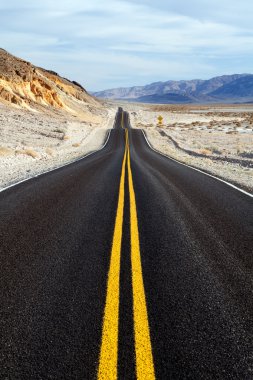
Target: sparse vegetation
6	151
58	130
215	150
49	151
29	152
206	152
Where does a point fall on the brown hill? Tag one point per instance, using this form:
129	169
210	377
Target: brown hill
27	86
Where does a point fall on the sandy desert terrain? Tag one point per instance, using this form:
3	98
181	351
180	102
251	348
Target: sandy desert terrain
33	142
217	139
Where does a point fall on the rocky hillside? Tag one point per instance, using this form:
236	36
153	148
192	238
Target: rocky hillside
27	86
226	88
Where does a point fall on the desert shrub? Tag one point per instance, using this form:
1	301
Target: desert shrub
29	152
214	150
58	130
205	151
5	151
32	153
49	151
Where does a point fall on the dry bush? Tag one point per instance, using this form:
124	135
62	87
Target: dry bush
66	137
29	152
206	152
49	151
6	151
215	150
32	153
76	145
58	130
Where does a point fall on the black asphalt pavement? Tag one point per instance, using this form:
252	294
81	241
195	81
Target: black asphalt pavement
196	243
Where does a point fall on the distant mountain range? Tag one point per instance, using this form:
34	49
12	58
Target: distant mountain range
237	88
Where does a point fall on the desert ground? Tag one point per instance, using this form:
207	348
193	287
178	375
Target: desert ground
215	138
33	142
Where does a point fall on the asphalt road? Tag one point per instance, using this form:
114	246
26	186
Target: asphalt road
126	264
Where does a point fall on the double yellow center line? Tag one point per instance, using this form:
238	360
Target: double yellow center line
108	361
122	120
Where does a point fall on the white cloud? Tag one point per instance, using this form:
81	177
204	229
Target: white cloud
129	42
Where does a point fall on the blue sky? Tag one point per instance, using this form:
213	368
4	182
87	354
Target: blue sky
114	43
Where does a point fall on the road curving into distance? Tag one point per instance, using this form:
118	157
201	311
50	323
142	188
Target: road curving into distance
126	265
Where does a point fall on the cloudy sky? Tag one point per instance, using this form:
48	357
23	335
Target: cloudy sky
104	44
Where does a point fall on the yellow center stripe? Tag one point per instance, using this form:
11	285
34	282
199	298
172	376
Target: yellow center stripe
109	347
143	350
108	361
122	120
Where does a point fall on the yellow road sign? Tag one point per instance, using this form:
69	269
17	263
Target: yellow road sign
160	120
